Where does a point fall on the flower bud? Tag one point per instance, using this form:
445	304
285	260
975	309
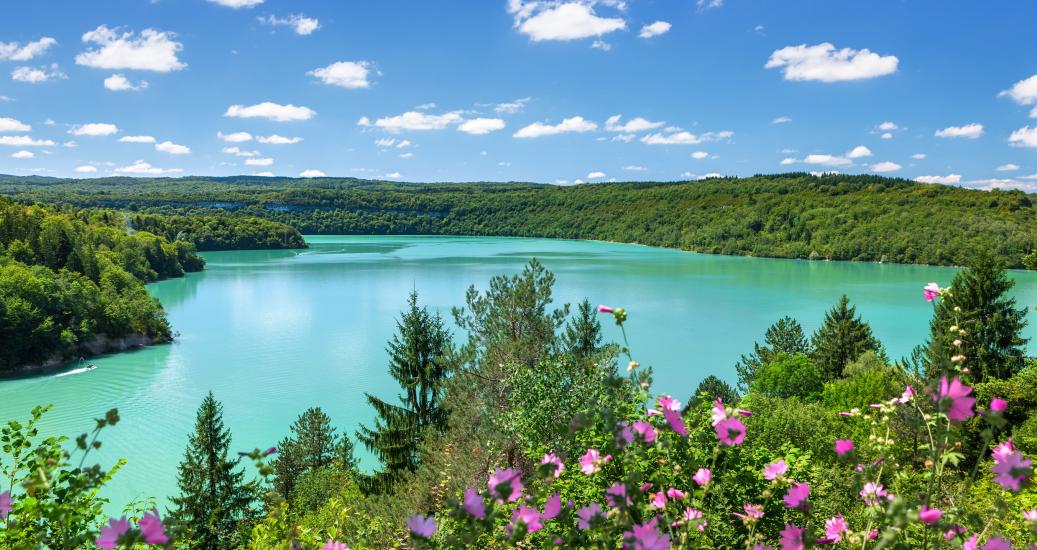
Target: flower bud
957	343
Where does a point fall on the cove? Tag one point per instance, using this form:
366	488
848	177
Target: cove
272	333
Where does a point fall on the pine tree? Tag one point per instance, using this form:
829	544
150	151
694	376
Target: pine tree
988	323
214	495
418	361
312	445
710	388
784	336
582	337
842	338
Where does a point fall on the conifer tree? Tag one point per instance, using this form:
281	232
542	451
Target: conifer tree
214	496
311	446
582	337
784	336
989	325
418	361
842	338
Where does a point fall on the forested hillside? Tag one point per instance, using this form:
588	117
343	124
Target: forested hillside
862	218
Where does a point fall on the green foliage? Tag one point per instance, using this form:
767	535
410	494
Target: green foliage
711	388
784	336
776	422
867	380
582	336
842	338
312	446
789	376
221	232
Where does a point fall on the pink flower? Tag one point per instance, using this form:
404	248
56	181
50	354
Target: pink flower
645	430
671	412
421	526
647	537
591	461
960	407
551	458
971	544
997	543
835	527
931	292
843	446
872	492
616	496
1002	450
333	544
151	528
730	431
270	451
657	500
110	533
929	515
585	515
908	395
473	503
797	495
675	494
998	405
605	309
1012	470
5	504
718	412
702	476
753	512
552	507
527	517
775	470
506	484
1030	515
791	537
759	546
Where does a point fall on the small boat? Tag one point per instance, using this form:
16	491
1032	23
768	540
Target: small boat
80	370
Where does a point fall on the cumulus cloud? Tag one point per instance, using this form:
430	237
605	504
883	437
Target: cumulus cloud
887	126
573	124
918	156
699	155
512	107
825	63
414	120
1023	92
406	155
1024	137
636	124
137	139
237	151
595	175
299	23
25	141
345	74
385	142
259	162
271	111
23	154
394	175
12	125
566	21
709	4
685	138
311	173
826	160
172	148
85	169
151	50
237	4
264	174
886	135
141	167
885	166
35	76
859	151
970	131
94	129
275	139
837	160
654	29
236	137
1002	183
119	83
945	180
481	126
781	120
1007	167
13	51
635	168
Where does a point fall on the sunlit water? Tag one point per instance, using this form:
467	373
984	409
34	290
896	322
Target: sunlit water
274	332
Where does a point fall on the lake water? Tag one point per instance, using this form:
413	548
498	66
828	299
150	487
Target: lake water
272	333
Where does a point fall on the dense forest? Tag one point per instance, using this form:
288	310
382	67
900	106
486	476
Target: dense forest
72	280
796	215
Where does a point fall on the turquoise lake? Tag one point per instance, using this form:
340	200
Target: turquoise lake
272	333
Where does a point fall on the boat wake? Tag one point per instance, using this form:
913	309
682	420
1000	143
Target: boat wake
81	370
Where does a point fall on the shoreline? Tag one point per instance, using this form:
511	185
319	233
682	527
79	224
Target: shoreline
99	346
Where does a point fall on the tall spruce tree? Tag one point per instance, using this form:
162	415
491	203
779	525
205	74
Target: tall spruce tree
418	356
311	446
214	496
989	325
842	338
784	336
582	336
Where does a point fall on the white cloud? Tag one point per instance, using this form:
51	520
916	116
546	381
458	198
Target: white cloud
70	144
12	125
275	139
119	83
23	154
172	148
406	155
35	76
238	152
827	160
685	138
141	167
601	45
425	106
1023	92
259	162
299	23
394	175
152	50
636	124
1033	112
635	168
885	166
1003	183
945	180
572	124
1030	177
345	74
264	174
271	111
237	4
625	138
824	63
137	139
787	161
859	151
312	173
481	126
886	135
918	156
512	107
385	142
94	129
86	169
595	175
565	21
781	120
887	126
415	120
1007	167
709	4
654	29
970	131
25	141
1024	137
12	51
699	155
236	137
710	175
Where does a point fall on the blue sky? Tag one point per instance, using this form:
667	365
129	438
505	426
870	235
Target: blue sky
547	91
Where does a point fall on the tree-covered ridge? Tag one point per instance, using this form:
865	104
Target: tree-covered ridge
221	232
796	215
